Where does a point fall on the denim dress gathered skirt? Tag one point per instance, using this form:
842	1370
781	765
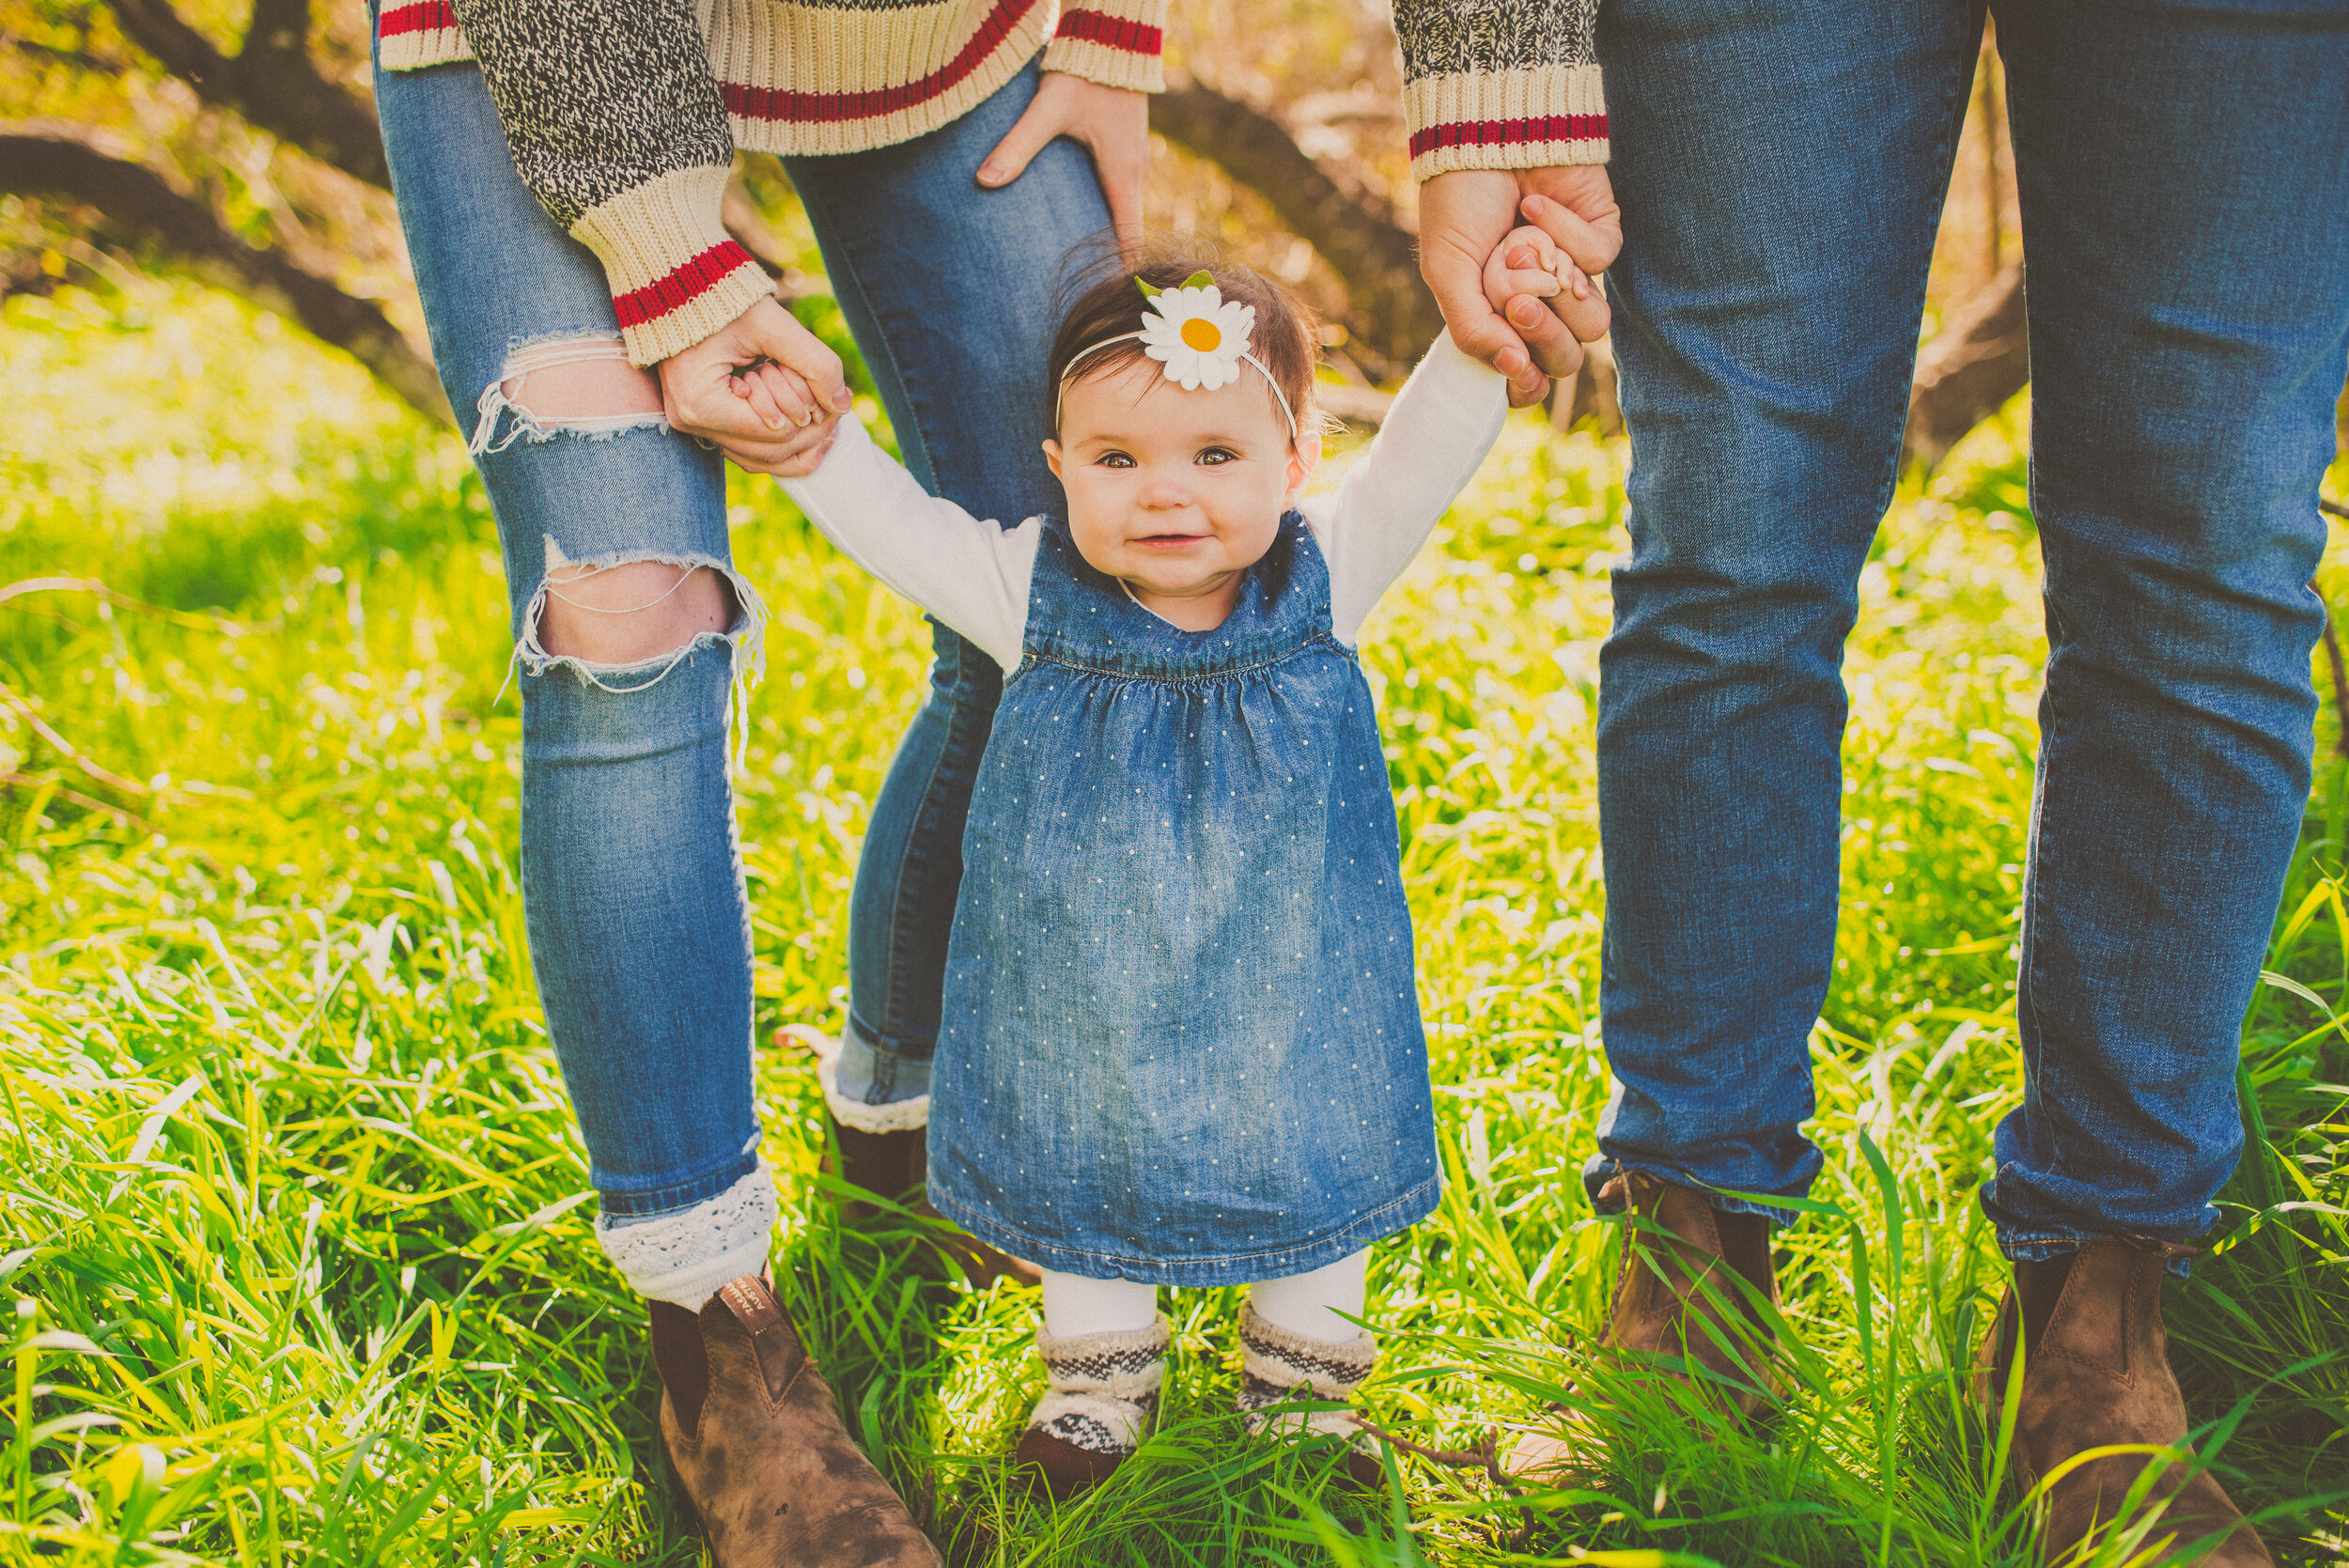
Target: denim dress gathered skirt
1181	1039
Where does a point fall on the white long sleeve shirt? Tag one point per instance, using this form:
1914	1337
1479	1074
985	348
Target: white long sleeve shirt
974	574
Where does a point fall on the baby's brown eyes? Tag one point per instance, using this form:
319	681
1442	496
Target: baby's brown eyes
1214	455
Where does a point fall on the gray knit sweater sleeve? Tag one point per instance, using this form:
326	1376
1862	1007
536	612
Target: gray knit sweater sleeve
1500	83
617	127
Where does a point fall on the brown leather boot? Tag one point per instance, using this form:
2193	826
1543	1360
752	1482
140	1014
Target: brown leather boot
755	1439
1661	1308
886	1164
1674	1244
2095	1371
894	1163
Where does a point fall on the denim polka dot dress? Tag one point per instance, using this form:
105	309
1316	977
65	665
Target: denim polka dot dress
1182	1039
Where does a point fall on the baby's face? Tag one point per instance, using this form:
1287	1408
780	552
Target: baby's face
1177	492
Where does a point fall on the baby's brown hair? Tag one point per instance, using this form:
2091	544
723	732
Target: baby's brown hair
1110	303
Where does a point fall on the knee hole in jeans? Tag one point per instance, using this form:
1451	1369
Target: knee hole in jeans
582	386
633	611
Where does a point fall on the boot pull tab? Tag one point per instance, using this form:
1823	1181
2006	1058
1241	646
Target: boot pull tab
753	1302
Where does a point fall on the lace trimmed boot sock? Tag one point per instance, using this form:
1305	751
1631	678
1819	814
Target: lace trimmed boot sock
2096	1372
1104	1396
1664	1316
754	1438
884	1149
1282	1367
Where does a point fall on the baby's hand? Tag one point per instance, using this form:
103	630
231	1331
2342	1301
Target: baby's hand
777	395
1528	262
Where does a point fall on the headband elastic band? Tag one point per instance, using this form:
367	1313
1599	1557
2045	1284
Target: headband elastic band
1076	358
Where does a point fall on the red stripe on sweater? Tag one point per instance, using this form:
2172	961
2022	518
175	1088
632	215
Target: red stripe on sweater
681	287
1508	133
1113	32
775	104
423	16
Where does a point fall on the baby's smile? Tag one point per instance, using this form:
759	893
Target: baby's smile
1177	492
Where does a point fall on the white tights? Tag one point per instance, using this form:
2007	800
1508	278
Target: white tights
1307	1304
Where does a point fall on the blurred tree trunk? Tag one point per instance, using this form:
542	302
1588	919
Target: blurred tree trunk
271	81
1373	255
138	208
1979	359
275	85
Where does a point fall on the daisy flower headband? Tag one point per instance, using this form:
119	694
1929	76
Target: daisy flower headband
1197	334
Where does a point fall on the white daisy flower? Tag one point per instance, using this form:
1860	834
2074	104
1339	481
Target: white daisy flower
1197	334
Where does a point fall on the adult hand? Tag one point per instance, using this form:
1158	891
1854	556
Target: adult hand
775	419
1465	213
1112	123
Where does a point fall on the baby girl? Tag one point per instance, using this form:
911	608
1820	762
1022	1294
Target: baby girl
1182	1040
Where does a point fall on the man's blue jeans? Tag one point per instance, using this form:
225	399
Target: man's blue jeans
639	930
2183	175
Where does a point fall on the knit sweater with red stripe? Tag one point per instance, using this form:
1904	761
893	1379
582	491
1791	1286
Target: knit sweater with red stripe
623	115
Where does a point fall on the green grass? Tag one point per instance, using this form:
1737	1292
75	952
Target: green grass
292	1206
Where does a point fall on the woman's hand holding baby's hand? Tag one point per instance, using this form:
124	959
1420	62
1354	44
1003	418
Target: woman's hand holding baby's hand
765	391
777	395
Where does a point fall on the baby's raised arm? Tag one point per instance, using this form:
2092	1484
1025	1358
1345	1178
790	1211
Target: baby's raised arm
965	570
1435	438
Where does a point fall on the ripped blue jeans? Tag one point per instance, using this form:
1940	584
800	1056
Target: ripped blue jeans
632	880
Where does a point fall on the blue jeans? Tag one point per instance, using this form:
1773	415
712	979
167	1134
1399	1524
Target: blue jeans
967	395
2183	175
633	886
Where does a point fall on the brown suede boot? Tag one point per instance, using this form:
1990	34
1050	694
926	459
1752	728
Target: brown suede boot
1661	1310
1674	1244
755	1439
2096	1372
893	1163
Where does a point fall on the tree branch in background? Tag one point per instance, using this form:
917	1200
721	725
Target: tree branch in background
39	159
271	81
2340	686
1980	358
1375	256
1978	362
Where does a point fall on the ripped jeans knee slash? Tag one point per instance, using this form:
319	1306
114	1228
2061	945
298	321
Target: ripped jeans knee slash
745	639
538	419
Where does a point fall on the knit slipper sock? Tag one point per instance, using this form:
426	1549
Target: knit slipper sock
1105	1391
1281	1366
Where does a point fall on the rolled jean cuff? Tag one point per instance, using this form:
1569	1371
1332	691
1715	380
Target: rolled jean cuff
687	1255
1603	1168
873	1088
2040	1248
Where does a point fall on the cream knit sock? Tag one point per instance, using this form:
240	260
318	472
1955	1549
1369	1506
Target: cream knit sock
1282	1367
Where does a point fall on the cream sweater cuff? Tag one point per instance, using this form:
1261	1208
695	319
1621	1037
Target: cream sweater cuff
677	276
1114	42
1506	119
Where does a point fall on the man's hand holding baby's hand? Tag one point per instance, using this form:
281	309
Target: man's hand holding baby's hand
1528	262
1527	267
